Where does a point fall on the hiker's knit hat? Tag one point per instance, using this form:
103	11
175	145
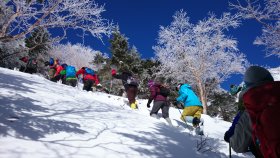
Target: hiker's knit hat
255	75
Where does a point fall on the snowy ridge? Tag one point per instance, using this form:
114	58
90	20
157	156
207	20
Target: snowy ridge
39	119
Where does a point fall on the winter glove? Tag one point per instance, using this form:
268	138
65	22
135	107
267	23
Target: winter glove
227	136
149	102
180	105
113	72
47	63
99	85
230	131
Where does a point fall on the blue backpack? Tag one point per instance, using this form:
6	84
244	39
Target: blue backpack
89	71
51	61
70	71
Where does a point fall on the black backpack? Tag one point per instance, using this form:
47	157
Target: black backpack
164	91
131	80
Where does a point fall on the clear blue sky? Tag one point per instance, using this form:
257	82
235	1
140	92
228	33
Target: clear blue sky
140	20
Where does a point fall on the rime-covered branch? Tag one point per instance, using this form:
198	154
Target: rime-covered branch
19	18
266	13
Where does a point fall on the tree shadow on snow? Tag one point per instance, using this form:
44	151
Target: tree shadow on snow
21	114
174	144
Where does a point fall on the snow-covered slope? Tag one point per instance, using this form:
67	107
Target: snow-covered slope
39	119
275	72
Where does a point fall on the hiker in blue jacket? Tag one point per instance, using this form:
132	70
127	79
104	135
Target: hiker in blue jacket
192	105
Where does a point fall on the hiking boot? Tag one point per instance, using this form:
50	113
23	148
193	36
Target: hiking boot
196	121
168	121
134	105
154	116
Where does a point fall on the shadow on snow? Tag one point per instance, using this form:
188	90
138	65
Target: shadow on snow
18	113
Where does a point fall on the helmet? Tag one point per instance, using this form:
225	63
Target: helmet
64	66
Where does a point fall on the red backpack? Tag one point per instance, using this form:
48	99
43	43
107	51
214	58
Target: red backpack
263	105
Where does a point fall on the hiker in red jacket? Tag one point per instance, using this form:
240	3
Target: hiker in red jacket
57	76
30	65
89	78
52	67
257	128
262	102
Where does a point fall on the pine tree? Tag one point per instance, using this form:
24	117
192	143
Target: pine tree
126	57
146	70
11	52
119	49
103	65
38	44
223	104
133	61
100	60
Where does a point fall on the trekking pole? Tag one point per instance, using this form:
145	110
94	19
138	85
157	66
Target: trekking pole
179	111
229	150
78	82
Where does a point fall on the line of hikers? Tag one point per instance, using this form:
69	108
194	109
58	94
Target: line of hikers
28	65
159	92
255	128
69	75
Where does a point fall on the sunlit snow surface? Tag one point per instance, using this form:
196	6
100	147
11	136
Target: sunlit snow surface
42	119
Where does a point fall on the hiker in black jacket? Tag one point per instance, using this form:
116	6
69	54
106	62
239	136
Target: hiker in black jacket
130	85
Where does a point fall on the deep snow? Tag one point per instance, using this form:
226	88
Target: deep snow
39	119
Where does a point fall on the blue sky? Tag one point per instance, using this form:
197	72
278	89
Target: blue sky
140	20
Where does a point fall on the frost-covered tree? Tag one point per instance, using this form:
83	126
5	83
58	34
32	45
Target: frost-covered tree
133	59
100	60
146	71
76	55
119	48
124	56
195	53
18	18
11	52
103	65
267	13
37	45
38	42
